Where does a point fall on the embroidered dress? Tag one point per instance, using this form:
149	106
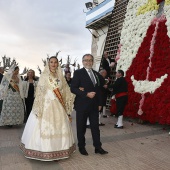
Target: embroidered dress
12	105
12	108
48	134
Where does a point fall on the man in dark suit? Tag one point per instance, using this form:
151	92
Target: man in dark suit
86	86
104	91
120	89
1	73
108	63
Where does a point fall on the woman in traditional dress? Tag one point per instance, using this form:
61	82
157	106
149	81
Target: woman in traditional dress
29	87
48	134
11	98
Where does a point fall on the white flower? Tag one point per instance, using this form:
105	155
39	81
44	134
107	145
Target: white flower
144	86
133	32
167	12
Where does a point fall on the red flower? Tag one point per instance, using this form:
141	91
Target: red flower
156	106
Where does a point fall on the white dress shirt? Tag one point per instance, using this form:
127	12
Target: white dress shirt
92	73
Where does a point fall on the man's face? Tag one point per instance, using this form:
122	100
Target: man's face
104	74
118	75
106	55
88	62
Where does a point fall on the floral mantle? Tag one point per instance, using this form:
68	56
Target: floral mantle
144	55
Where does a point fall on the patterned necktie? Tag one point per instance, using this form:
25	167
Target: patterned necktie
92	76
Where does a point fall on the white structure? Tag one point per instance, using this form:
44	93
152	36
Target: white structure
97	21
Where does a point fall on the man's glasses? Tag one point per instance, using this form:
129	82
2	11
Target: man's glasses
88	60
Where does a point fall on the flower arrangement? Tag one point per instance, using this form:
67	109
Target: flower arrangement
167	12
133	31
150	5
145	57
167	2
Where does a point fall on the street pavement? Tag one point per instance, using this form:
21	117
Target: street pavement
136	147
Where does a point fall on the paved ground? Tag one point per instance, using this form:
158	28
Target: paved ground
136	147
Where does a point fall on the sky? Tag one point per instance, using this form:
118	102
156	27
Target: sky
31	29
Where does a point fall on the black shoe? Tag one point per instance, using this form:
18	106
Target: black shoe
104	116
10	126
101	124
83	151
118	127
88	126
101	151
115	126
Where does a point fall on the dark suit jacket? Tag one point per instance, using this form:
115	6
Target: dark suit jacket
82	79
1	76
104	92
105	65
119	86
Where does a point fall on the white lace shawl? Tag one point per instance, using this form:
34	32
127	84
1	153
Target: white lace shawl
43	86
6	81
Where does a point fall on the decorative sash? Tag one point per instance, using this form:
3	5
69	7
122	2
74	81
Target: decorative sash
121	94
59	96
57	93
14	85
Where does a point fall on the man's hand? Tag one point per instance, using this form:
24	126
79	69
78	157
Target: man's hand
112	64
91	94
81	88
105	86
100	107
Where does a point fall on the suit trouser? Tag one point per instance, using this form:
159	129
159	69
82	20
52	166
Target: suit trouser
120	104
81	119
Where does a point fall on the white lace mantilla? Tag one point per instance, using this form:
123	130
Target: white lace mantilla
48	83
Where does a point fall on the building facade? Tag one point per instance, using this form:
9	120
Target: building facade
97	21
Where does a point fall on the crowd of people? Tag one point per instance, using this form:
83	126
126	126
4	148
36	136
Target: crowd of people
45	105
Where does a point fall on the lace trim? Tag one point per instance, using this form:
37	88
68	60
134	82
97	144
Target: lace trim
47	156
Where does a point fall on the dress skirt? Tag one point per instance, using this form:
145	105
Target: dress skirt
12	109
50	136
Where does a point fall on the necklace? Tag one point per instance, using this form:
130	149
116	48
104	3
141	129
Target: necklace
52	71
54	74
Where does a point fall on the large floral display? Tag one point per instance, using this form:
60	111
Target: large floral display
144	55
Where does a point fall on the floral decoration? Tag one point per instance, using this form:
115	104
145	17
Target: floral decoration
133	31
167	14
145	58
150	5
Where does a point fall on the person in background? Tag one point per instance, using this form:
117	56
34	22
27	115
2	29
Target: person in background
29	87
104	91
120	89
107	63
1	73
67	69
68	78
11	98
